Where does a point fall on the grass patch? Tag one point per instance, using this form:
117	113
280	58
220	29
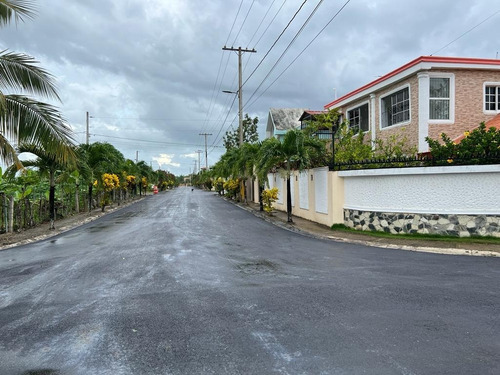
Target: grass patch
419	236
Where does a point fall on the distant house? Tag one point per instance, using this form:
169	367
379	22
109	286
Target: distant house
426	97
280	120
308	116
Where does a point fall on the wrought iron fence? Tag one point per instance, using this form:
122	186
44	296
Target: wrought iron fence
422	160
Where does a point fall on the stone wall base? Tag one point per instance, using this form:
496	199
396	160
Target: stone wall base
451	225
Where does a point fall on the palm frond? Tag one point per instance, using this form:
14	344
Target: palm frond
29	121
20	73
8	153
17	9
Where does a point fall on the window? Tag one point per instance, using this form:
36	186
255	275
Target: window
439	98
395	108
358	118
492	98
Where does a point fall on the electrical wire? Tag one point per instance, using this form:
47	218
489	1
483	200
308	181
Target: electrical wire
287	48
468	31
300	54
261	22
147	140
270	23
274	44
243	23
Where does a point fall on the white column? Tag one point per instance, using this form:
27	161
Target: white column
373	119
423	111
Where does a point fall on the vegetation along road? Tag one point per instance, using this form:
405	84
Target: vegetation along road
186	283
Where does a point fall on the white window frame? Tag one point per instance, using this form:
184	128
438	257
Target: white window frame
451	77
389	93
489	111
367	102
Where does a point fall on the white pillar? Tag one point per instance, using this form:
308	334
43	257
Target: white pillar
373	119
423	111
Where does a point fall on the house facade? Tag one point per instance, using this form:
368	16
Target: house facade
424	98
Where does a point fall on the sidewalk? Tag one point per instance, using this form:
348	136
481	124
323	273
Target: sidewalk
313	229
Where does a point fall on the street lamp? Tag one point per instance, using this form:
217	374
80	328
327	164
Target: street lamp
240	114
335	128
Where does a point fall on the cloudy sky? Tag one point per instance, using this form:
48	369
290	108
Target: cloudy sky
150	72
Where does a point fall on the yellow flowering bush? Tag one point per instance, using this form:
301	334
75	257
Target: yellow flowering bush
110	181
231	186
479	146
219	185
130	181
144	182
269	196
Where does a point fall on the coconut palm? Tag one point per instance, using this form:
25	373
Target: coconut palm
22	118
296	152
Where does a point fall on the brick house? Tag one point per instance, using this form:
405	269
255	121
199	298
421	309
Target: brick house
426	97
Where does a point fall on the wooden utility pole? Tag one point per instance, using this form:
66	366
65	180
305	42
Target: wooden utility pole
240	94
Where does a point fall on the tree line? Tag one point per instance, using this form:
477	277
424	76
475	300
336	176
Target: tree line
88	175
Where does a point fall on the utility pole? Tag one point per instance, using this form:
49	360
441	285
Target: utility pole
206	153
87	136
199	152
136	157
240	94
194	170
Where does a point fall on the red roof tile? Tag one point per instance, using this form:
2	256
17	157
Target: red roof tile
494	122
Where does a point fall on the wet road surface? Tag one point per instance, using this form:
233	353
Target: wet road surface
187	283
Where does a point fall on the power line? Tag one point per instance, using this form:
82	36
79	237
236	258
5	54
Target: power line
276	41
235	18
147	140
261	22
468	31
287	48
301	52
270	23
243	23
145	119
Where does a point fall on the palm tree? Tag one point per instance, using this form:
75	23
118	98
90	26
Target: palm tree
99	158
296	152
246	161
48	163
24	119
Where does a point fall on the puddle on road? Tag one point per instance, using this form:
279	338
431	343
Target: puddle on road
98	228
258	267
44	371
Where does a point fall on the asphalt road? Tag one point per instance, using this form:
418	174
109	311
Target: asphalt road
187	283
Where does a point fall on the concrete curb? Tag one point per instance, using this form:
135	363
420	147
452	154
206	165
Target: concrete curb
434	250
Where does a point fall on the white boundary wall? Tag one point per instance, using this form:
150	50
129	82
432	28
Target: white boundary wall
433	190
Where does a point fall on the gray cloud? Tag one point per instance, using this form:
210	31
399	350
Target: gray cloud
150	71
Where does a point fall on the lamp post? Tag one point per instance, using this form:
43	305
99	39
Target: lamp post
240	114
335	128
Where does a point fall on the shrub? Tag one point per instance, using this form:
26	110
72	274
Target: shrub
269	196
232	187
480	146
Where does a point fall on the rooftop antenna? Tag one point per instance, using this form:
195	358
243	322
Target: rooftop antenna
497	55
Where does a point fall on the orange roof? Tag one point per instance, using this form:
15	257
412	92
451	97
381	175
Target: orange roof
491	123
451	61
